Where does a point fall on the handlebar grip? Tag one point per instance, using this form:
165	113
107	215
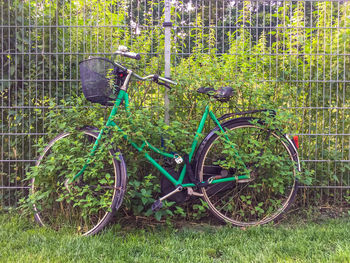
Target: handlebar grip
168	81
166	85
156	79
132	55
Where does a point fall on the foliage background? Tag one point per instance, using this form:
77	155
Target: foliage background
289	55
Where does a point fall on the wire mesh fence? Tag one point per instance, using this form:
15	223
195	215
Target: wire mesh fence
304	45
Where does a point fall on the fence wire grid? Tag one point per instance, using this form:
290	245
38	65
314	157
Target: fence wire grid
306	45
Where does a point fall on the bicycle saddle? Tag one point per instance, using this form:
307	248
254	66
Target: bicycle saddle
221	94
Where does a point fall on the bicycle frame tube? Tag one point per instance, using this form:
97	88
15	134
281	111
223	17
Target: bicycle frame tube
123	96
193	148
194	144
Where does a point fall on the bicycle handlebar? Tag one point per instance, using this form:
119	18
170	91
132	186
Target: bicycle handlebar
156	79
164	81
132	55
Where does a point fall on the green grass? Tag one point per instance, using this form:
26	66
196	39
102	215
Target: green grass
328	241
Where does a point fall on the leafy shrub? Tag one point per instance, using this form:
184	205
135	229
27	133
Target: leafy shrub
145	122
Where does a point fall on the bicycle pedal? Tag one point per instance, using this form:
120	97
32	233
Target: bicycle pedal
157	205
244	181
241	181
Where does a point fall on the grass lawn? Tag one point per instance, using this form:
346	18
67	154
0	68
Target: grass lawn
297	241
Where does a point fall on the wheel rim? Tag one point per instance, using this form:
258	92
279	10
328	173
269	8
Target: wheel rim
249	203
88	204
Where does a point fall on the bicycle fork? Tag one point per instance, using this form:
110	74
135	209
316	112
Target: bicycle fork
121	96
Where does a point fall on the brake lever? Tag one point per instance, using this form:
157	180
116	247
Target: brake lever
165	85
156	80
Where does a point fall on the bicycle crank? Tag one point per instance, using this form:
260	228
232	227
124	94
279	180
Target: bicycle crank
67	185
158	203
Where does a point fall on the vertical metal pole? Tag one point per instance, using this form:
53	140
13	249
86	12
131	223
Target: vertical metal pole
167	47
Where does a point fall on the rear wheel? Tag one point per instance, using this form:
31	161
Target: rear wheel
269	160
89	203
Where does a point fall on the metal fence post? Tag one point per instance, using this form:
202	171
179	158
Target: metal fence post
167	46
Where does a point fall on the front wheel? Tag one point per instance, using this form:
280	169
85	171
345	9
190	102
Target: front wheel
248	148
86	205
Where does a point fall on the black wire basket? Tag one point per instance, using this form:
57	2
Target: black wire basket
101	80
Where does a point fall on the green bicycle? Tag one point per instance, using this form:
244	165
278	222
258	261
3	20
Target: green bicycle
244	171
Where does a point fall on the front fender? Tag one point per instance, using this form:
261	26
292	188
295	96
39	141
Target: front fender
119	160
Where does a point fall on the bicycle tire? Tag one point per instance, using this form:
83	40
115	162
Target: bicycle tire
107	188
260	199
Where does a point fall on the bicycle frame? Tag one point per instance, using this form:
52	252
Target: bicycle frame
123	96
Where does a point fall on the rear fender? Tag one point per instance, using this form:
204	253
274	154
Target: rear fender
295	152
290	145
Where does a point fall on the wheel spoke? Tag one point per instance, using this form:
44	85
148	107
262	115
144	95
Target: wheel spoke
85	206
272	171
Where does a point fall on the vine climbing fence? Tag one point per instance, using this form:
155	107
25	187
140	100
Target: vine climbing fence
301	48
